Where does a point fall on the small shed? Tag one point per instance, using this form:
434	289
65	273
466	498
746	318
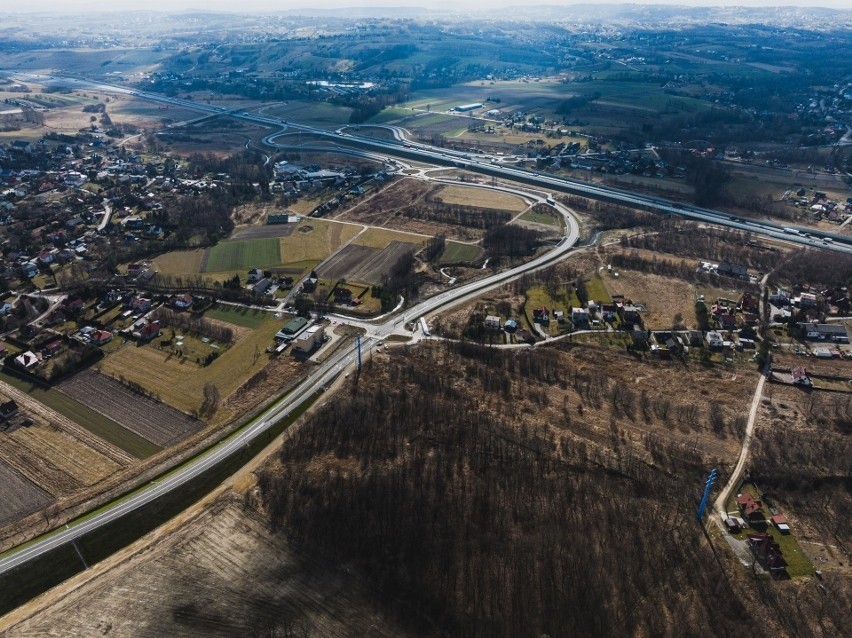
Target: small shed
780	521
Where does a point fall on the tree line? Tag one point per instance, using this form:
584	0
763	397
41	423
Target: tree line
194	325
471	216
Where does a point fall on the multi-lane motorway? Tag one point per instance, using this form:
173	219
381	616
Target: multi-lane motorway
378	330
494	166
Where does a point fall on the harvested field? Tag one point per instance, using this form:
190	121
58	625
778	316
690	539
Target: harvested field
381	238
242	255
57	451
315	239
147	417
20	496
263	231
361	263
225	575
179	262
480	197
78	421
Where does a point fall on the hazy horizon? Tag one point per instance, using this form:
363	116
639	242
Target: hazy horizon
267	6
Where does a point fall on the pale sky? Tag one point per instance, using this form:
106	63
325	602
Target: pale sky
250	6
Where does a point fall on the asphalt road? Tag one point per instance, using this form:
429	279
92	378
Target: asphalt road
375	332
286	405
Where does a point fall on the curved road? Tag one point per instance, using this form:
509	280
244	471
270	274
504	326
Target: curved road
285	406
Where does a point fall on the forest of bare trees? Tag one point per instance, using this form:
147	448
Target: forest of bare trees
483	521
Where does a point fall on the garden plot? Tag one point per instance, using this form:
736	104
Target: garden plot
144	416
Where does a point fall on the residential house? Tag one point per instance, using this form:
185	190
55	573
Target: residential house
640	337
147	331
311	282
140	304
29	269
800	376
52	348
780	521
255	275
510	326
100	337
767	552
580	318
714	340
727	321
261	287
26	359
182	302
806	300
73	305
541	315
750	507
492	322
342	295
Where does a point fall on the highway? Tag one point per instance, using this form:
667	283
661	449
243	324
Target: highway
375	331
286	405
494	167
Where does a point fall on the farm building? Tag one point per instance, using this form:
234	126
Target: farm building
733	270
291	328
825	331
309	339
464	108
283	219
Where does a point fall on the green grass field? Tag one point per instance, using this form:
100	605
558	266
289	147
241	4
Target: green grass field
597	290
94	422
455	252
540	218
238	316
242	255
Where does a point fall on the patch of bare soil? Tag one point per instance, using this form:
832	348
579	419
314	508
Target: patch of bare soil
219	573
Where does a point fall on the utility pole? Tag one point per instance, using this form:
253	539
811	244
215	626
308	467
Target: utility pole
358	345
